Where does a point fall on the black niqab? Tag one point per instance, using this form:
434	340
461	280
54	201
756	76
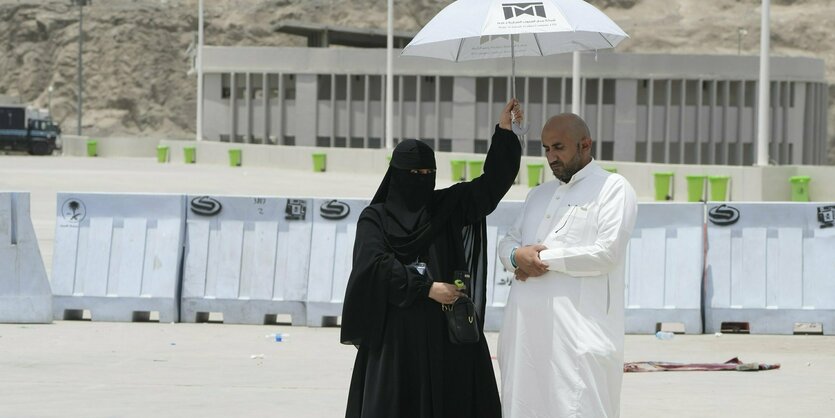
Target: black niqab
413	215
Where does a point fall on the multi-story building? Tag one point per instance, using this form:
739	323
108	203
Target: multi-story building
694	109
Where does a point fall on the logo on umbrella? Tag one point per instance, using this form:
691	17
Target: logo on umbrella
512	10
723	215
205	206
334	210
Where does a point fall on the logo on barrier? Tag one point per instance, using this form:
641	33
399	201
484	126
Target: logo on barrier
205	206
296	210
512	10
334	210
826	216
73	211
723	215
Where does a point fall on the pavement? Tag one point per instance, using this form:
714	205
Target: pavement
100	370
96	369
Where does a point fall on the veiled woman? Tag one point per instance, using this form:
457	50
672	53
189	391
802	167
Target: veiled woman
406	365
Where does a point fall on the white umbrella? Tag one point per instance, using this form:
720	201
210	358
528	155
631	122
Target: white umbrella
482	29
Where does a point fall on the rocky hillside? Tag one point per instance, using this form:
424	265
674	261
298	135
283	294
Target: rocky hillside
136	51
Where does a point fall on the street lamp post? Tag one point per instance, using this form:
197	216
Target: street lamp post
764	105
49	102
199	65
80	4
389	75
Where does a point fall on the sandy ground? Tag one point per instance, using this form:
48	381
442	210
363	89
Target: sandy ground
94	369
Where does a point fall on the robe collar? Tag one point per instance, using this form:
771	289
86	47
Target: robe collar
583	173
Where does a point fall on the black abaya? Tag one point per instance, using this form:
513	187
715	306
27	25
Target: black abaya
406	366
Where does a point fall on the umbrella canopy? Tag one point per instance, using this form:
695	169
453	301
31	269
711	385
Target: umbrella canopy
482	29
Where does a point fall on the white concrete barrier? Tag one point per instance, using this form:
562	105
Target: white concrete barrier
331	257
664	268
499	279
247	259
770	266
25	296
117	256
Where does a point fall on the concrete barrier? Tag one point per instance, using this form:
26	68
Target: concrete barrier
331	254
117	256
25	296
664	267
770	267
247	259
499	279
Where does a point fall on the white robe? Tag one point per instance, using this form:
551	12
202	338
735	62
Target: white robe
561	343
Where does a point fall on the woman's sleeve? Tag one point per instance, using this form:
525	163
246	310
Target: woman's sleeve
403	283
481	195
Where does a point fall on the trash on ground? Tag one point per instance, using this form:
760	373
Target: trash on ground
734	364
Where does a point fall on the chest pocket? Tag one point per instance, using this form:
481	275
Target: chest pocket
572	227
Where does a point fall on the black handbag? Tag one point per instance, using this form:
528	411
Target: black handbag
462	318
462	321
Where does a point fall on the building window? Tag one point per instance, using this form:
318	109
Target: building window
289	87
341	87
480	146
609	88
534	149
444	145
323	141
554	90
447	85
225	91
409	88
323	87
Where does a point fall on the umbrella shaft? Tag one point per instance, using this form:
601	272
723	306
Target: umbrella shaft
512	69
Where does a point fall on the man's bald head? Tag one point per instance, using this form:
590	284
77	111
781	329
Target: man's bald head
567	144
568	124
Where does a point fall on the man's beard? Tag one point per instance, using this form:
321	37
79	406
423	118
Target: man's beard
564	172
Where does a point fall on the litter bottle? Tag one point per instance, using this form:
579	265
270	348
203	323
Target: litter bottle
664	335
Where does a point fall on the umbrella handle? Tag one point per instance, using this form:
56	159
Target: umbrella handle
519	129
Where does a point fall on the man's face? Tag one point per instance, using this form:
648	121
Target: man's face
563	153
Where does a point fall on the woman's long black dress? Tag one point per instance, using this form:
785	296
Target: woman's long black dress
406	365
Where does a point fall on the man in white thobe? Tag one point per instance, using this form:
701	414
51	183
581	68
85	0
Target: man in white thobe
561	343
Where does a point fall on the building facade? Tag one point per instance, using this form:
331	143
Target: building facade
693	109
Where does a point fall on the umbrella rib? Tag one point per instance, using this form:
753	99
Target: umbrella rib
536	38
607	40
460	47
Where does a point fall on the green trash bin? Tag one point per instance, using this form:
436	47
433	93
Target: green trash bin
92	148
696	188
535	174
190	155
663	181
320	162
459	170
611	169
162	154
235	157
800	188
718	188
475	169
